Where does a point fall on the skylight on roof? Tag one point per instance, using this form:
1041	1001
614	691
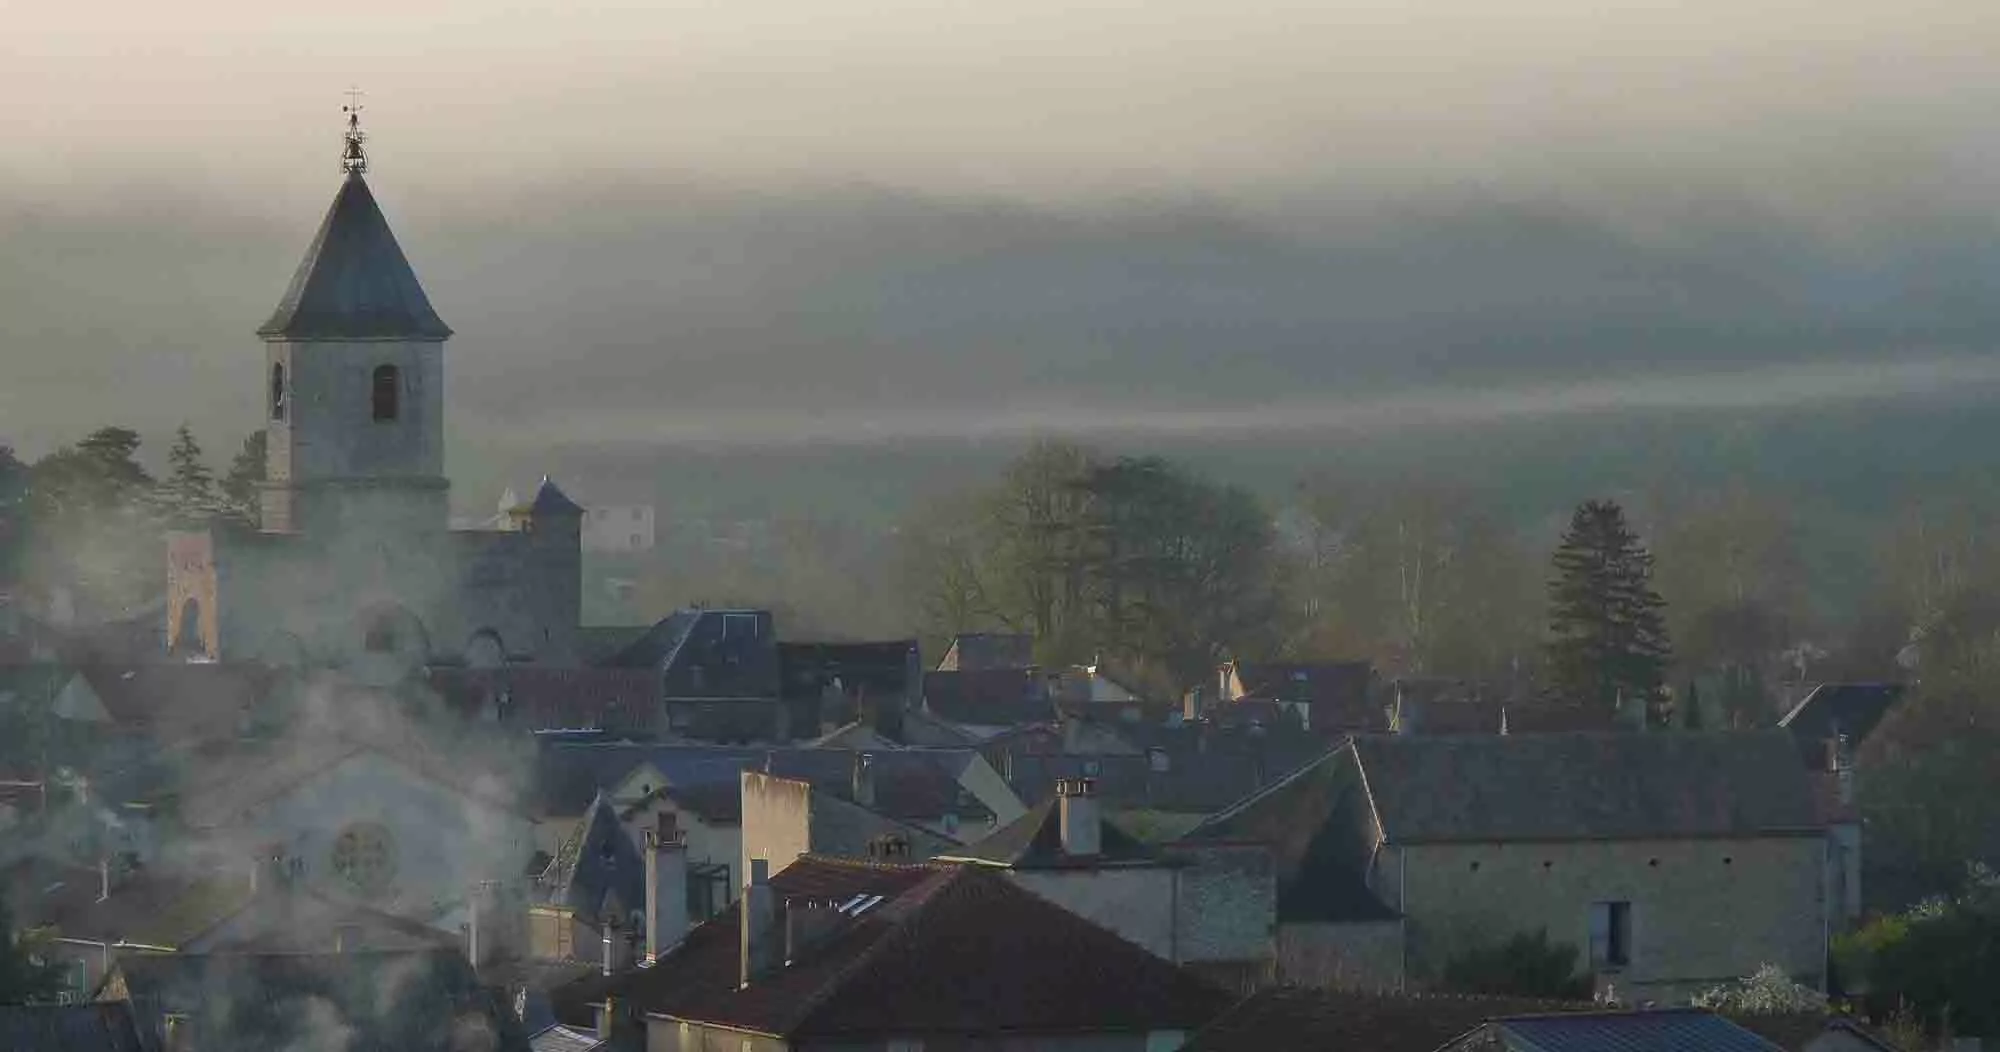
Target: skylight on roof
871	902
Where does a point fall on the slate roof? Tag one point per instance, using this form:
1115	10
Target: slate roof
911	784
547	698
354	282
708	654
560	1038
1034	841
388	1000
1291	1017
1338	692
995	697
1852	709
1198	780
1587	786
597	872
717	803
903	967
988	650
550	500
96	1027
1655	1030
1309	820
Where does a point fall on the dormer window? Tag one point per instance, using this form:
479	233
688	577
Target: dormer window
278	400
387	393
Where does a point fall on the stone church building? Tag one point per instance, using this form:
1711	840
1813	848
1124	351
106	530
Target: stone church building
355	556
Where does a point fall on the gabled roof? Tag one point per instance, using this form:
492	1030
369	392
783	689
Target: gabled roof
354	282
1849	709
1654	1030
1336	695
104	1026
1290	1017
906	965
1034	841
973	651
1312	821
597	872
398	999
988	697
1587	786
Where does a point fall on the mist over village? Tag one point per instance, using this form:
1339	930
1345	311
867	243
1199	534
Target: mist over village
1354	526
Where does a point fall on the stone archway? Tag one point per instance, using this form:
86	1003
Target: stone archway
187	641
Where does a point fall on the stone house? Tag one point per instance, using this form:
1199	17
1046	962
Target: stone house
1671	861
846	954
1211	907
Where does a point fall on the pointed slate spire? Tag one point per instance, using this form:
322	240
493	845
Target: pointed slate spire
551	500
354	283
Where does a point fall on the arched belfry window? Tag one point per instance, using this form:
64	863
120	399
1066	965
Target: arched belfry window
278	391
388	392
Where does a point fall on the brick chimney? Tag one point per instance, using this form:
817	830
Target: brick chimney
864	779
758	915
666	887
1082	819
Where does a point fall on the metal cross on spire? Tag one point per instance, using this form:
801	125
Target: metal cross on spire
353	158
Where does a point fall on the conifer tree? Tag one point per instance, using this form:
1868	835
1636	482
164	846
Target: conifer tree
189	489
1608	642
239	487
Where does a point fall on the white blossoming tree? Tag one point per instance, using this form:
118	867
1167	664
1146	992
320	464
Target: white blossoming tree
1768	992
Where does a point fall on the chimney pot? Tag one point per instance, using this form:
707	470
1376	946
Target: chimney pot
1081	817
756	916
864	779
666	888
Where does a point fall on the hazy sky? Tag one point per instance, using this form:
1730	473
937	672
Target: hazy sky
1884	102
926	215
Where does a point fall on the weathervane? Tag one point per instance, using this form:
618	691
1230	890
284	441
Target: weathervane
354	159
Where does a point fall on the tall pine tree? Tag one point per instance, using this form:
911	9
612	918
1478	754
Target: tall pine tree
189	489
1607	639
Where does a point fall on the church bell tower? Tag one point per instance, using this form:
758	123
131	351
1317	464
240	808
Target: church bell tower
354	379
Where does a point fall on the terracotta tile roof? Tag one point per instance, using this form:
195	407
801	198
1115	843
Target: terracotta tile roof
1288	1017
949	950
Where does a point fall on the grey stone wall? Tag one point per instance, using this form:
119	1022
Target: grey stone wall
1702	911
